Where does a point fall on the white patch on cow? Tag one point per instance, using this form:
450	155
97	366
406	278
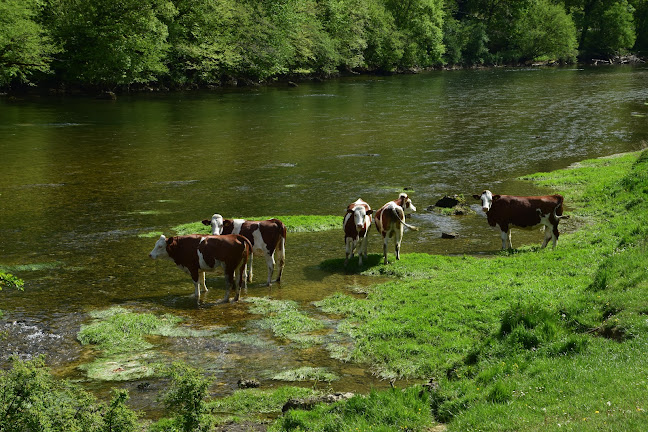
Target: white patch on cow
202	264
238	223
217	224
486	200
159	250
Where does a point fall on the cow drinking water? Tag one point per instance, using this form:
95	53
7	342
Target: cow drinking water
390	220
503	211
266	236
196	254
356	226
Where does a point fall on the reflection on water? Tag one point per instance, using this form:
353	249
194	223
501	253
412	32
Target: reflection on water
83	178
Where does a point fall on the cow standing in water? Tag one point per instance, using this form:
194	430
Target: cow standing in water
356	226
196	254
266	236
390	220
502	211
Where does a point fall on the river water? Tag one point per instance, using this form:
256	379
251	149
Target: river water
82	179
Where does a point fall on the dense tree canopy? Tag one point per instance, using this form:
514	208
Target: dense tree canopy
118	43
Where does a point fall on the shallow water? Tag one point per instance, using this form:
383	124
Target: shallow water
83	178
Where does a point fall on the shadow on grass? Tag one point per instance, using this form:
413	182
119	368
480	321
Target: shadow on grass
336	265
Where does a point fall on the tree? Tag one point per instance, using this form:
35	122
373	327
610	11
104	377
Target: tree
641	25
545	32
202	39
420	23
607	26
25	48
111	42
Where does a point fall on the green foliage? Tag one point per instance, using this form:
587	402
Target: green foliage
25	48
186	398
607	27
406	409
545	32
10	281
108	43
32	399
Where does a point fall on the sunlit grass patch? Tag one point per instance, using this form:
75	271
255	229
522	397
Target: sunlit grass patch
151	234
286	321
306	373
122	338
244	402
31	267
294	223
123	367
393	410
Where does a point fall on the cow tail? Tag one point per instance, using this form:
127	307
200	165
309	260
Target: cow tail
559	209
397	215
281	242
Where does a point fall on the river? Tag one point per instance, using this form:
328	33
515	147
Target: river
83	179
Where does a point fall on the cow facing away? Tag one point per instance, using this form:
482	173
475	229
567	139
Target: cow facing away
390	220
266	236
504	211
357	222
197	254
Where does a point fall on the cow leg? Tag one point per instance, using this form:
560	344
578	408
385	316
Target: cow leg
229	279
349	250
385	241
362	249
281	255
399	237
270	262
548	236
202	280
249	267
555	235
196	276
240	281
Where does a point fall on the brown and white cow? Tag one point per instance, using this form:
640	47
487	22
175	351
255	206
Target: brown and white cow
357	222
390	220
266	236
503	211
197	254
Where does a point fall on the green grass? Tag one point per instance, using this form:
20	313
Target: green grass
306	373
286	321
524	339
294	223
394	410
252	404
121	337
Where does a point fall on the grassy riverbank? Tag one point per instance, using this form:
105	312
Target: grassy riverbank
523	340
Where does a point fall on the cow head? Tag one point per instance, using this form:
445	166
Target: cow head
216	223
486	199
359	216
408	206
160	249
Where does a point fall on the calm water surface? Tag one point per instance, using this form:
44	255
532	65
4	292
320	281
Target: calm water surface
81	179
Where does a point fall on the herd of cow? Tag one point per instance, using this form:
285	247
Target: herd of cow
233	241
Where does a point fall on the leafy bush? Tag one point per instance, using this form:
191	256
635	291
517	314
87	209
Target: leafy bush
32	399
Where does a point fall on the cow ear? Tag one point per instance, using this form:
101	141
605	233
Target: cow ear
206	222
477	197
349	210
496	197
370	211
